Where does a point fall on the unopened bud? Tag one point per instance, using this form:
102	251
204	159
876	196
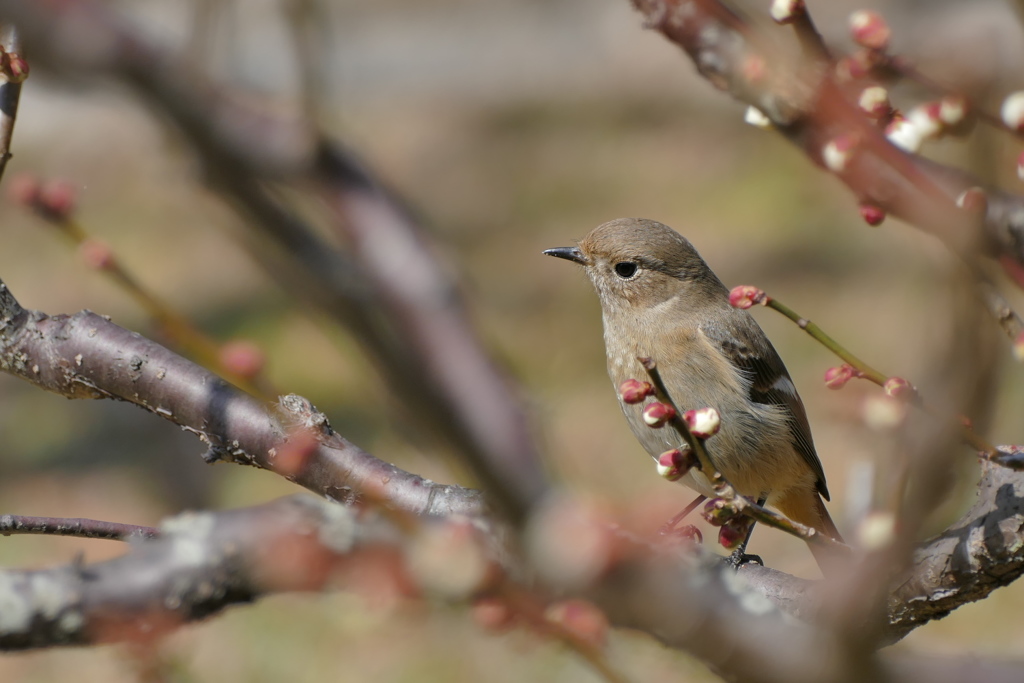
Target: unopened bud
755	117
745	296
897	387
633	391
925	118
787	11
16	69
657	414
872	215
703	422
57	200
870	30
874	100
242	357
96	254
973	199
853	67
733	533
674	464
836	153
904	134
718	511
582	620
837	377
1012	111
952	110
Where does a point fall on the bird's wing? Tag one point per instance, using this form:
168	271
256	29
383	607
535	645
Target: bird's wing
749	350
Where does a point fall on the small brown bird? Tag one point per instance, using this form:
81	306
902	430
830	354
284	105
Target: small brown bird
660	300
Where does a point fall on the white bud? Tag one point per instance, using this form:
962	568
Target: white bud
755	117
785	11
1013	110
836	154
924	120
904	135
874	100
952	110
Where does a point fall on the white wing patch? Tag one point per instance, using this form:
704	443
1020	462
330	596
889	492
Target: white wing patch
784	385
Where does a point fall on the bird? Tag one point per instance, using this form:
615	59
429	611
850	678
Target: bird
660	300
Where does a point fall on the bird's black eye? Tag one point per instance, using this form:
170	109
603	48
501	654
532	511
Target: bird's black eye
625	269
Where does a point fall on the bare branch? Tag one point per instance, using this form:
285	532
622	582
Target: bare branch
87	356
421	339
11	525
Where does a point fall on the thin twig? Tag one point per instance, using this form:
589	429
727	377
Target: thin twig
11	525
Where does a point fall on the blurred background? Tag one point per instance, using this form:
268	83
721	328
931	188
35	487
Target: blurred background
511	126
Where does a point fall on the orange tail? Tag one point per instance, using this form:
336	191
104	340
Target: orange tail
808	508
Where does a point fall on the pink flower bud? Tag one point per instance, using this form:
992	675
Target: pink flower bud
973	199
872	215
837	377
585	622
57	200
897	387
674	464
1018	347
836	153
1012	111
870	30
952	110
733	532
754	68
657	414
633	391
745	296
787	11
718	511
96	254
493	614
874	100
16	69
853	68
242	357
703	422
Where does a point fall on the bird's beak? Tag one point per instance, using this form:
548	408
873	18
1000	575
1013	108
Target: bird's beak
569	254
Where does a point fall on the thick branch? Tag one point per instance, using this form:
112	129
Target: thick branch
86	356
808	107
419	336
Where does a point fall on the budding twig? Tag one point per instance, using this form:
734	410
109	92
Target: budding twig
721	485
745	296
54	202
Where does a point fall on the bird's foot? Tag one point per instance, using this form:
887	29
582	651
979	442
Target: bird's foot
740	558
688	533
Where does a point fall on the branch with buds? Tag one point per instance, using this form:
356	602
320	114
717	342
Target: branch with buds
897	388
694	427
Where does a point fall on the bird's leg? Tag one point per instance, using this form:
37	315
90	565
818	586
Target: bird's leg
669	527
739	556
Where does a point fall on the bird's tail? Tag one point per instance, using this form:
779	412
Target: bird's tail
808	508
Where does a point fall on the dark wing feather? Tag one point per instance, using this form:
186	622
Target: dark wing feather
741	340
